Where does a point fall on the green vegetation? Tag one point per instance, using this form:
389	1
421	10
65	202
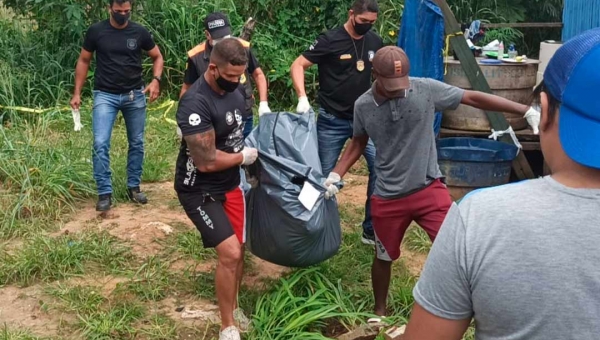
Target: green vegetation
46	175
44	258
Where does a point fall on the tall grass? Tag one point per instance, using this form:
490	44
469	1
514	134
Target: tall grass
45	259
301	307
46	167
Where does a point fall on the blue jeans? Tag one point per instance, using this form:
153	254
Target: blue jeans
333	133
106	108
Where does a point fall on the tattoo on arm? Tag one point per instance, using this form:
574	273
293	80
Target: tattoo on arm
202	147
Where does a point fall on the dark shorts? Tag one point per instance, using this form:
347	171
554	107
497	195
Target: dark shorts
392	217
217	218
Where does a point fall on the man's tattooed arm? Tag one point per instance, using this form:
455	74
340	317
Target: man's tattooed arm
206	157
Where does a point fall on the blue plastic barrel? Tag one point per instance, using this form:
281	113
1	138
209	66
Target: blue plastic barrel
472	163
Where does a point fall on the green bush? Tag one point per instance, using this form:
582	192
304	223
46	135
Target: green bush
40	48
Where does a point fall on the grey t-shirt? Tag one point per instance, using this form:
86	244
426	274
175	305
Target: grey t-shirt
523	259
402	131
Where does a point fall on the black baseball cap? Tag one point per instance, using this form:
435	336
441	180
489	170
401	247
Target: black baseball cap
217	24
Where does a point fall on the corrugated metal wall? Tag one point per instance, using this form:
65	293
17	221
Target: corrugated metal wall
579	16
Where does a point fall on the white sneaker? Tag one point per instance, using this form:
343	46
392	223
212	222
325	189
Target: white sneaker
230	333
240	318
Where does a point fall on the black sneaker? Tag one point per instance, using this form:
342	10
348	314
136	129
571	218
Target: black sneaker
104	202
135	195
368	239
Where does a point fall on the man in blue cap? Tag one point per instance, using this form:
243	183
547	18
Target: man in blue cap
522	259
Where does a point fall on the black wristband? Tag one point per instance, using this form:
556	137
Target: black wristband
157	78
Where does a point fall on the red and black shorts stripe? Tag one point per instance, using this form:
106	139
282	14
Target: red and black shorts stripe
217	217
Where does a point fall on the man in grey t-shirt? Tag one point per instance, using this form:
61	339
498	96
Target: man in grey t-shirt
397	114
522	259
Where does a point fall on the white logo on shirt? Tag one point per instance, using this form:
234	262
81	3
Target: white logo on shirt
229	118
216	23
238	117
371	55
312	47
195	119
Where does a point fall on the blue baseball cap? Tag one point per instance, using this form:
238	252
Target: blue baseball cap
573	78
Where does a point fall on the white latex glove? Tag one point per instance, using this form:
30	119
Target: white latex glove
263	108
533	119
76	119
250	155
303	105
330	184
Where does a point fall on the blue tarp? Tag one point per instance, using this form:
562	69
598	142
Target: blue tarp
580	16
422	38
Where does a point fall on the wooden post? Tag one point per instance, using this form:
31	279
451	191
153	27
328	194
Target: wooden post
479	83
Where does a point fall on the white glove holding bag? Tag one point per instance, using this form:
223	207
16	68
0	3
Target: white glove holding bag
249	155
330	184
533	119
303	105
263	108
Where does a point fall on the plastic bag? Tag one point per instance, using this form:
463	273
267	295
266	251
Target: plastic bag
280	228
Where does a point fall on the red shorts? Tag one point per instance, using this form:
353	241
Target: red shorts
392	217
217	217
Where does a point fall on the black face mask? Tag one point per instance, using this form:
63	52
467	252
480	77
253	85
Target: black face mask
362	29
226	85
120	19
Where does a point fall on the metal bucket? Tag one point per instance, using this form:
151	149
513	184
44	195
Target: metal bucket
473	163
511	81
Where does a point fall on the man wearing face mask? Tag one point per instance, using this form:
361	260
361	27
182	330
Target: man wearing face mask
397	114
344	57
118	86
207	175
217	28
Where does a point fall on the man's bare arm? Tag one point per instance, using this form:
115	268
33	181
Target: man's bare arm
261	84
206	156
491	102
297	72
426	326
351	154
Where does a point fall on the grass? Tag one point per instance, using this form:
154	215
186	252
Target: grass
46	156
152	281
45	167
189	244
44	258
15	334
417	240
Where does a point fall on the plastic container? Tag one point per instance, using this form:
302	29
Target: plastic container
501	51
512	52
472	163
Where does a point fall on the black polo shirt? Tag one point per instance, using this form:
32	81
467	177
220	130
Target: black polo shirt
199	59
118	55
200	110
340	82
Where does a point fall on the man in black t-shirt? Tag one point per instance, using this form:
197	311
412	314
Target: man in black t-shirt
217	28
344	57
118	85
207	175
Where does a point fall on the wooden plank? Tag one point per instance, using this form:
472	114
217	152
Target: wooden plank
479	83
525	25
